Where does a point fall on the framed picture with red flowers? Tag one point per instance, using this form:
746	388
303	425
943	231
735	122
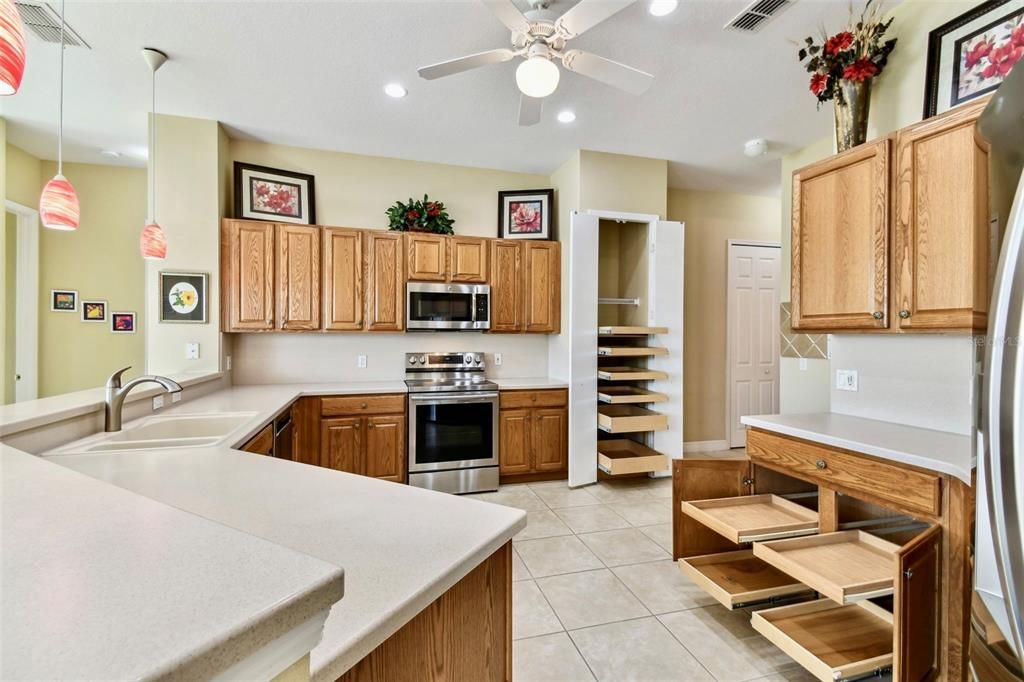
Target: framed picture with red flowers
969	56
525	214
263	193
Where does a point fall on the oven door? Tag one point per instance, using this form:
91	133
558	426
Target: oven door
454	431
446	306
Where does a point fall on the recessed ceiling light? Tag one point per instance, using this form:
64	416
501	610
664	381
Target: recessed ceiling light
110	154
661	8
566	116
395	90
756	147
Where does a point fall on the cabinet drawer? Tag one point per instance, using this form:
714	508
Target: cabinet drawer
752	518
513	400
362	404
905	488
737	579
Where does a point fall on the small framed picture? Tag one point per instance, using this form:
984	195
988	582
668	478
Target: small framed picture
122	323
63	300
94	311
525	214
263	193
183	297
969	56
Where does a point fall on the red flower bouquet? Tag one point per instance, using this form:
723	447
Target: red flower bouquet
420	216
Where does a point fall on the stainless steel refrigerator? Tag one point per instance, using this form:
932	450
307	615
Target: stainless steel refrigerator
998	629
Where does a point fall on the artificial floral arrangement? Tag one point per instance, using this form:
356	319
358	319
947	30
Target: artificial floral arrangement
420	216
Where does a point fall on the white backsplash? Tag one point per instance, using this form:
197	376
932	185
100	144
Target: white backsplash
299	358
922	380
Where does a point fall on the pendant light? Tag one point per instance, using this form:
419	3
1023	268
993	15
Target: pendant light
12	48
58	204
152	241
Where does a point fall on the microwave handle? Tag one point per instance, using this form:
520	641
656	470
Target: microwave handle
472	304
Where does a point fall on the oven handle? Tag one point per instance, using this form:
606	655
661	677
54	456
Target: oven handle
436	399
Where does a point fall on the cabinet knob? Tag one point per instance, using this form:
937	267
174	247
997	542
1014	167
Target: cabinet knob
909	573
371	426
533	398
821	464
877	315
904	314
362	406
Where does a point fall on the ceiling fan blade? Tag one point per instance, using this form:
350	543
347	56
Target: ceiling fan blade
472	61
509	14
529	110
615	74
587	14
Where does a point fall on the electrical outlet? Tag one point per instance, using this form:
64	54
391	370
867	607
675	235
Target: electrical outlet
227	362
191	350
176	397
497	359
846	379
361	362
158	402
803	364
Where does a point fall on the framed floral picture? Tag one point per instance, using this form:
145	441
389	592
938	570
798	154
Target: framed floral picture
525	214
263	193
94	311
969	56
183	297
122	323
63	301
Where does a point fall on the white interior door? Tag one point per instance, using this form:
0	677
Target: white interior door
26	350
752	335
579	355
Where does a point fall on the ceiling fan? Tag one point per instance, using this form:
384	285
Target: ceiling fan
540	36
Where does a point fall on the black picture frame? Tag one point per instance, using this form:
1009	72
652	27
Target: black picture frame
546	199
199	281
303	183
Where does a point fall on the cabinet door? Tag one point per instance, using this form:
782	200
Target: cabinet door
385	447
542	287
468	257
840	241
514	441
916	608
343	279
298	277
550	444
694	478
506	285
385	282
247	275
942	229
262	443
426	257
341	442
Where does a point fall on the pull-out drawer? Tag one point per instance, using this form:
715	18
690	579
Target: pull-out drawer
629	419
629	374
518	400
620	457
628	394
351	405
832	642
737	579
751	518
901	487
847	566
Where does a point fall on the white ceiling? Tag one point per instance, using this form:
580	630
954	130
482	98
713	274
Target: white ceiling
310	74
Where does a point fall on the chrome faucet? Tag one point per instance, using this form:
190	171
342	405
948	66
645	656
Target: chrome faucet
116	393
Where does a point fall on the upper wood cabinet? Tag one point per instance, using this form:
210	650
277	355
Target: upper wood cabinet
542	288
385	281
840	241
468	257
426	257
941	234
298	277
247	275
343	279
506	286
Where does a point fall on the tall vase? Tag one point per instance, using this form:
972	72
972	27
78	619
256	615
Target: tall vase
851	110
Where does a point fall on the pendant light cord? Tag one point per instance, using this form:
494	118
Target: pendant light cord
60	99
152	153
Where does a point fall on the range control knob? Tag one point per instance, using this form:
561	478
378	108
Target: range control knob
413	359
468	358
478	359
423	359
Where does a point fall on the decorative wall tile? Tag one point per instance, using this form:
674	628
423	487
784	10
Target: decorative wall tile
797	345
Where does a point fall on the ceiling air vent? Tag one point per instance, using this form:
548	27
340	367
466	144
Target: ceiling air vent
757	14
45	23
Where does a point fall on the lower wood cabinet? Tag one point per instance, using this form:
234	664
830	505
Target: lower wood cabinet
533	428
262	443
364	435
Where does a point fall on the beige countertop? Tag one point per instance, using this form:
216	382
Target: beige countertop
940	451
101	583
530	383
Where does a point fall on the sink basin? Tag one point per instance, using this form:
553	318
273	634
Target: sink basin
118	446
163	432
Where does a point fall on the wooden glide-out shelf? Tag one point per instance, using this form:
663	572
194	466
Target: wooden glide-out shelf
619	457
628	394
629	374
629	419
631	351
832	642
736	579
846	567
752	518
631	331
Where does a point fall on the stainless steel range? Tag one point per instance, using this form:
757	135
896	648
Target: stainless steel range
453	423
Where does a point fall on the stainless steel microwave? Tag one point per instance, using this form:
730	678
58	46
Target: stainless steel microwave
431	306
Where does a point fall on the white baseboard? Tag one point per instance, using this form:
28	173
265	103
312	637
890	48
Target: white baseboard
705	446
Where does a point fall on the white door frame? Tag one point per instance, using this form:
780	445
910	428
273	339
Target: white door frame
728	326
26	346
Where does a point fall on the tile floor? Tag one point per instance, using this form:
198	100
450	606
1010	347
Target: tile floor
596	595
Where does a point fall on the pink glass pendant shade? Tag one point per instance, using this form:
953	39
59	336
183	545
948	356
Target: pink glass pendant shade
152	242
58	205
12	48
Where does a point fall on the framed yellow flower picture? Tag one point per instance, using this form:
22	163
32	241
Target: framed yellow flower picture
183	297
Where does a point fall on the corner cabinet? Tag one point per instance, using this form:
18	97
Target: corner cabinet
247	275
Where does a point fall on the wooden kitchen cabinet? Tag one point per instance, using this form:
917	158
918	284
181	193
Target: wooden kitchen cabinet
385	448
533	429
364	435
514	442
468	258
551	439
426	257
342	441
298	277
247	275
262	443
506	285
343	279
542	287
385	281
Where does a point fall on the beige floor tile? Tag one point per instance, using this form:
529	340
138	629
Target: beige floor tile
661	488
561	498
647	513
726	644
531	614
591	519
518	496
621	547
590	598
542	524
519	571
640	650
551	658
661	533
616	491
557	555
562	484
662	587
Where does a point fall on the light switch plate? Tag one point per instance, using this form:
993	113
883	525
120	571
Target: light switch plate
361	362
192	351
497	359
803	364
846	379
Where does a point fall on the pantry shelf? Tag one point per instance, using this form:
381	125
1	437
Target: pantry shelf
631	351
624	456
628	394
737	579
752	518
630	331
629	419
629	374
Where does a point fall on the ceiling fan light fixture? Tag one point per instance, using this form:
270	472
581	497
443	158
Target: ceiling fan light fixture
537	77
662	8
395	90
